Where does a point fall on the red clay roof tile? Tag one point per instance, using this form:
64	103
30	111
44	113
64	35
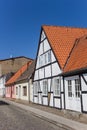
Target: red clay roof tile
62	40
78	57
18	74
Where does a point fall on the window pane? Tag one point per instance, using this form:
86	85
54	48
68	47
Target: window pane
69	88
77	88
35	87
25	91
49	56
56	87
45	87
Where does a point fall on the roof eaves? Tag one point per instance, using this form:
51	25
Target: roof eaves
74	72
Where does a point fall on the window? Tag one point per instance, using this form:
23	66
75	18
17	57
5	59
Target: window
45	55
24	90
45	87
69	88
16	90
49	56
41	60
35	88
56	87
77	88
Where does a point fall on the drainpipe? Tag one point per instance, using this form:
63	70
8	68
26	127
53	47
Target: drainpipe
28	90
29	82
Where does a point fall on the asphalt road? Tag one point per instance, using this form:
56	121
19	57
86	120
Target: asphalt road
14	118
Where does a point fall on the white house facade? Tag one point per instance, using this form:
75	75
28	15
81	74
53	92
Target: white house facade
2	86
24	91
54	86
24	84
47	83
76	92
3	80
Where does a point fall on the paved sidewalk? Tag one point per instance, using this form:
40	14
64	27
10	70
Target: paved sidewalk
58	120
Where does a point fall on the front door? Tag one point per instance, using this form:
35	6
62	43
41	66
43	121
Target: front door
72	94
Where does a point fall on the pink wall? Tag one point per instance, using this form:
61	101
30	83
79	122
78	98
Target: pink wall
10	92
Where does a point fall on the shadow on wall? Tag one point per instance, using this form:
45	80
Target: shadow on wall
3	103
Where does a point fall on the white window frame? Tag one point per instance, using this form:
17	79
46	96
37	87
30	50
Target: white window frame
45	87
47	57
77	88
56	86
69	82
24	90
41	60
36	88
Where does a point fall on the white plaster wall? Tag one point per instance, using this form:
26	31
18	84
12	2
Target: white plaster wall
41	85
42	35
30	90
41	73
39	98
84	100
62	97
45	101
51	100
46	45
36	75
57	102
35	99
61	79
52	86
48	71
2	86
37	64
40	49
53	57
84	96
49	84
55	69
22	97
83	84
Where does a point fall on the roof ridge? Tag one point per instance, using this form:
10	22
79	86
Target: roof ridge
72	27
16	58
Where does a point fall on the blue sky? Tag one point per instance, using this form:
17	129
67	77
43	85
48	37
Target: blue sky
21	20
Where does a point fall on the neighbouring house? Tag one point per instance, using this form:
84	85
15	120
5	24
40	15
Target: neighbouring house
60	78
24	84
12	64
11	83
3	80
75	77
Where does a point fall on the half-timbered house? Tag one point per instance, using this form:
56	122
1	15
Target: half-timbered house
54	50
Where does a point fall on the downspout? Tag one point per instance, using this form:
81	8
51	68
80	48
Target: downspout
29	88
28	91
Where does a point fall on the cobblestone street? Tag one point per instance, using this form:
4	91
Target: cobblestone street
14	118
